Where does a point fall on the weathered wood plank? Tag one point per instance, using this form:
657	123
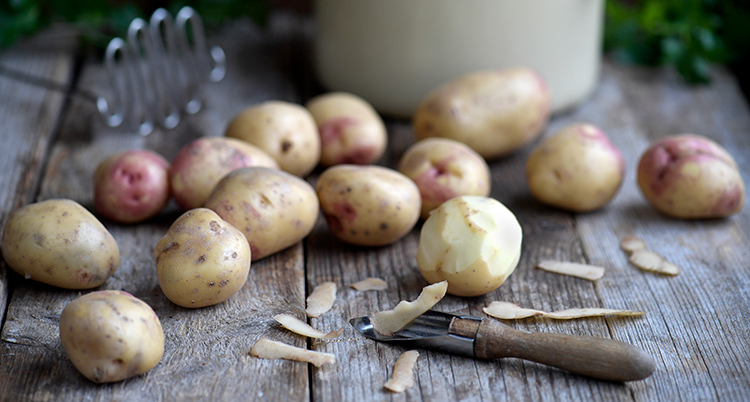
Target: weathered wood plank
206	350
28	118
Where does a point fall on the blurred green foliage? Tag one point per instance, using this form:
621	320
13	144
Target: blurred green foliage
98	21
686	34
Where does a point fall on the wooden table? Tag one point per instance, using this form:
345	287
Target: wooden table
696	327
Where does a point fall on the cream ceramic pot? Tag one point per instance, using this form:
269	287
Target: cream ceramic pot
394	52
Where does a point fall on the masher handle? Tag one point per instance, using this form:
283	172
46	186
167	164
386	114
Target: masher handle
601	358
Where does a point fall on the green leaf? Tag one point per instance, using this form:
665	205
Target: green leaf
693	69
14	26
672	50
21	4
653	16
685	34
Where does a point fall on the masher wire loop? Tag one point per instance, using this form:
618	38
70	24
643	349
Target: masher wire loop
156	74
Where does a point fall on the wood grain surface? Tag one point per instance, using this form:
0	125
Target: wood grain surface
695	327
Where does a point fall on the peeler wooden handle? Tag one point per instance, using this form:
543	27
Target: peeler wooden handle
601	358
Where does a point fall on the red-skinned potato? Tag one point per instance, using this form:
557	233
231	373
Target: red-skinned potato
690	176
351	131
131	186
199	166
578	169
284	130
443	169
368	205
493	112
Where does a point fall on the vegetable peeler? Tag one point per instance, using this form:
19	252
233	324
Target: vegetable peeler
486	338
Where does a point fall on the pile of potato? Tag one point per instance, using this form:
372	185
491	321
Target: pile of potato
244	197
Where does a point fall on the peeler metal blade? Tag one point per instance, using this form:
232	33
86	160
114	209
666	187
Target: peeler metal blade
430	330
601	358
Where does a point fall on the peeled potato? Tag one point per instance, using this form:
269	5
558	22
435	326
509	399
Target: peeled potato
472	242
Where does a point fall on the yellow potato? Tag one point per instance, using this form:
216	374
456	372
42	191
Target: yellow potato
60	243
110	336
351	131
272	208
493	112
472	242
443	169
577	169
202	260
368	205
284	130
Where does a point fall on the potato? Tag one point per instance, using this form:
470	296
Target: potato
202	260
472	242
493	112
60	243
272	208
689	176
198	166
351	131
110	335
131	186
577	169
443	169
286	131
368	205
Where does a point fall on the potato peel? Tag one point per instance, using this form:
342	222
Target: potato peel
403	372
632	243
321	299
265	348
584	271
369	284
300	327
512	311
390	321
648	260
645	259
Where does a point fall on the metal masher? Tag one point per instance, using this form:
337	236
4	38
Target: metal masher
155	75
